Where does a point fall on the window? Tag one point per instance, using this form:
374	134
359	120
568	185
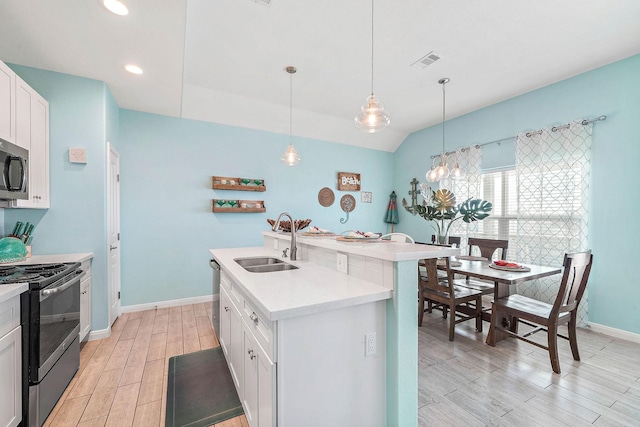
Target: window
499	188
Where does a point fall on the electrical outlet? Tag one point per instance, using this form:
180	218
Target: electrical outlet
275	244
342	263
370	344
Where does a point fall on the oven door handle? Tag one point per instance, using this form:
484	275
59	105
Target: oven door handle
47	292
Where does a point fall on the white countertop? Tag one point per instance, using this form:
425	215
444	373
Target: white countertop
54	259
309	289
9	291
386	250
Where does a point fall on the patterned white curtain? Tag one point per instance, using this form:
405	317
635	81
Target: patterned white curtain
552	169
470	160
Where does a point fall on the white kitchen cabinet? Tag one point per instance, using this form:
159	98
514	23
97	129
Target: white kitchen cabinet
258	382
288	371
7	103
231	337
251	368
32	133
10	362
85	301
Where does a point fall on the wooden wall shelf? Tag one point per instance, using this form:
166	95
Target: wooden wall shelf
240	184
225	208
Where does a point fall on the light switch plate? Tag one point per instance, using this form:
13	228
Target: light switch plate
77	155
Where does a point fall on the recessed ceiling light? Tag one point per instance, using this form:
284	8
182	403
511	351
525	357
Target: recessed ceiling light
115	6
133	69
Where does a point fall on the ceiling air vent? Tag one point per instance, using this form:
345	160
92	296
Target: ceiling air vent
426	60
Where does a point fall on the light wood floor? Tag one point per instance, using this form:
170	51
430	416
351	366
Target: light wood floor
470	383
122	379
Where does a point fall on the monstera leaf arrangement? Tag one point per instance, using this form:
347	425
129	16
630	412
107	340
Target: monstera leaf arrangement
442	210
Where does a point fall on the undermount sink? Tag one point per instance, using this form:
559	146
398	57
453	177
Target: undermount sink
264	264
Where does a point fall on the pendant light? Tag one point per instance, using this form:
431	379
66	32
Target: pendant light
290	157
442	170
372	116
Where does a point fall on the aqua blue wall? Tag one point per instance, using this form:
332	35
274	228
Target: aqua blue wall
75	223
167	163
167	226
613	90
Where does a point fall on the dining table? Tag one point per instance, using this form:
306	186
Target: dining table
504	280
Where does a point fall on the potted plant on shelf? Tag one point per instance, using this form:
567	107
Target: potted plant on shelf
442	210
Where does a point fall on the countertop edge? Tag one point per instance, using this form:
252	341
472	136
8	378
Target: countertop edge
56	258
9	291
388	251
372	293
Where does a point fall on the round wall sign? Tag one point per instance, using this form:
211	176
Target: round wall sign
326	197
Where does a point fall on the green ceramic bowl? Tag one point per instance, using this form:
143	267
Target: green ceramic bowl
12	250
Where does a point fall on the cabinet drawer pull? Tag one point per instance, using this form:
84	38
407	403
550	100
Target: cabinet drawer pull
254	317
251	355
226	309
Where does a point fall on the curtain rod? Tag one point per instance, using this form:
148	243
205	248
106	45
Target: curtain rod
583	122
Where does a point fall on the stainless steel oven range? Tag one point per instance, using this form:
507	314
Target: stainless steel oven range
51	349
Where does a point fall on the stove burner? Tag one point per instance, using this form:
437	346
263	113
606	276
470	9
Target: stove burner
21	278
42	267
37	276
8	271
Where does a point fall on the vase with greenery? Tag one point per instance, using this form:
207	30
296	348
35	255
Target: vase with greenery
441	209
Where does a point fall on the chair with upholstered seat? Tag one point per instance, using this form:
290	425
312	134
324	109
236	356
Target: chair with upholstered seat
451	297
564	309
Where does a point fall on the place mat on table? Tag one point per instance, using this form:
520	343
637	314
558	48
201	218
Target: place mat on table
471	258
200	391
522	268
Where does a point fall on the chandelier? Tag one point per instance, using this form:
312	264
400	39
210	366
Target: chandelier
442	171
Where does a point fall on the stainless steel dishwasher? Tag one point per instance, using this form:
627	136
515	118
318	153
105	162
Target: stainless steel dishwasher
215	317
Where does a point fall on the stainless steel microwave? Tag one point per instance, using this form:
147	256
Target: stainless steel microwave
14	164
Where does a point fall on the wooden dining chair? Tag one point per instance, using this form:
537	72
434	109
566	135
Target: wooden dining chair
577	267
488	248
453	240
451	297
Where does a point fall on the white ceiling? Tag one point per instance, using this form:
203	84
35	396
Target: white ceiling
223	60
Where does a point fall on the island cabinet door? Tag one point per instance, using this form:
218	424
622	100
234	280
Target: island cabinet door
259	383
231	337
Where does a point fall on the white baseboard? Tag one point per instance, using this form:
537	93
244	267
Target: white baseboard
99	334
170	303
613	332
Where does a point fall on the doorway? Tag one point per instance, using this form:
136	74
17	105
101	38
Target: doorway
113	233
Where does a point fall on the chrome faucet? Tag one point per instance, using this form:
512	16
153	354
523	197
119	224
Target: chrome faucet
294	249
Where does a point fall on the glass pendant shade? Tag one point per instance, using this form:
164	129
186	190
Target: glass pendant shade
290	157
431	175
442	171
458	172
372	116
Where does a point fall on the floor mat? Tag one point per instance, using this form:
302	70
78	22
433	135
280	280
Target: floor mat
200	391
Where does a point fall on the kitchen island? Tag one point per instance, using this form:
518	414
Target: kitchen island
318	346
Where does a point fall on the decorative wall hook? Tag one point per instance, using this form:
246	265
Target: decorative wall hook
414	197
347	203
